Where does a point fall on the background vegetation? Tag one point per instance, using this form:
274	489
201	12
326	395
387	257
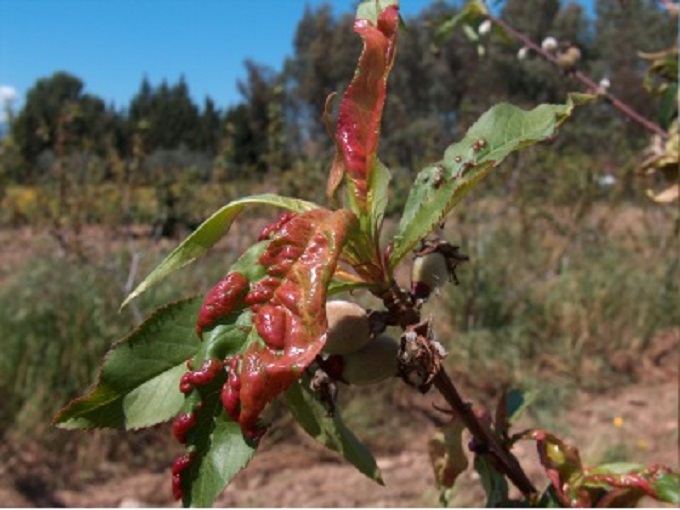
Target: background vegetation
574	274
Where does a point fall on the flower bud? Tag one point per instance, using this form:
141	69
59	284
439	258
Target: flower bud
375	362
522	53
348	327
549	44
484	27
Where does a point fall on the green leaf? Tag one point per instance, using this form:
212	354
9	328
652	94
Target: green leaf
667	487
494	483
329	431
222	456
498	133
211	231
138	383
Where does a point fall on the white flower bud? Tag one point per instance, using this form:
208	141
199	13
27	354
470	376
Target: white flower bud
484	27
522	53
549	44
605	83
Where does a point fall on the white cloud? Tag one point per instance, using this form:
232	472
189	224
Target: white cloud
7	94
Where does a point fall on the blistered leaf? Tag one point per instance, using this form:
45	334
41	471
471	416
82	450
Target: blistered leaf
289	310
360	114
330	431
624	484
562	465
211	231
498	133
447	454
138	383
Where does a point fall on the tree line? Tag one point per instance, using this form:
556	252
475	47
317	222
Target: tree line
437	88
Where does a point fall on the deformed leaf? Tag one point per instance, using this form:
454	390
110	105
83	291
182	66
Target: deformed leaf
496	134
138	383
624	484
447	454
289	309
257	341
209	232
360	113
330	431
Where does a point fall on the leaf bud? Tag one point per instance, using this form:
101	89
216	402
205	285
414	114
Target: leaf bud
348	327
374	363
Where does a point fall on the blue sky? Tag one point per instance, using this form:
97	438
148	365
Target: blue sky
112	44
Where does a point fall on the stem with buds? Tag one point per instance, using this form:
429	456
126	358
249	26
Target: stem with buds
624	108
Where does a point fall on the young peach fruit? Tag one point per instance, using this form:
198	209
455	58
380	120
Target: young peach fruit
348	327
374	363
429	272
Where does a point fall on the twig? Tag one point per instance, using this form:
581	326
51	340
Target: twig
583	78
507	463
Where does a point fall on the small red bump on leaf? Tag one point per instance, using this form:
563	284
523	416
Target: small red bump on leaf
221	300
271	325
262	290
276	226
207	372
181	426
181	463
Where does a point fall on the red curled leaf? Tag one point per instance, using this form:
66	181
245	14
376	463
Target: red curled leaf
290	320
358	127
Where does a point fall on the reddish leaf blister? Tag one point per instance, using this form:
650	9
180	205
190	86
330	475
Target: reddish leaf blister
270	323
209	369
221	300
276	226
179	465
182	424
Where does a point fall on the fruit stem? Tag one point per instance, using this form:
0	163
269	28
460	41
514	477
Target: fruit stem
490	444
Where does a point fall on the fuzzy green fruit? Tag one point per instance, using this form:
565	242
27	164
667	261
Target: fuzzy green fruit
372	364
348	327
429	272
